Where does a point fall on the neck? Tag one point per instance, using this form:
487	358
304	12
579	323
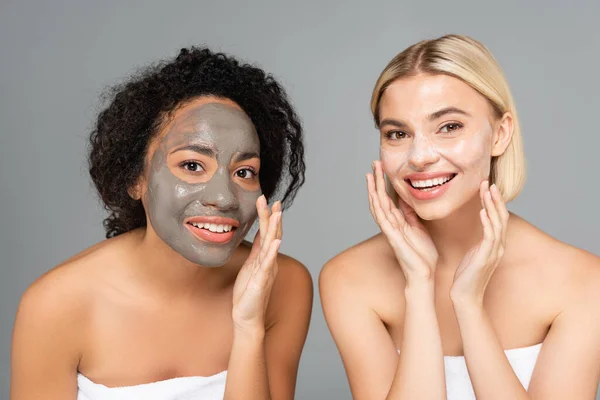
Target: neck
456	234
168	273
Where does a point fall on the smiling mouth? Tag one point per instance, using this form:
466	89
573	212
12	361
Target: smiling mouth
214	228
430	184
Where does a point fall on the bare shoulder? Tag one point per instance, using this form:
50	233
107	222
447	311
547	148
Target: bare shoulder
366	275
290	304
292	272
568	272
50	329
65	292
368	264
293	287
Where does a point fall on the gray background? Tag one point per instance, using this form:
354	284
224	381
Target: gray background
57	56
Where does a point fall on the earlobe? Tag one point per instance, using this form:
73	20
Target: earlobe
135	191
503	135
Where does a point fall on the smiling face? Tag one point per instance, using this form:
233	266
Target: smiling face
438	136
201	182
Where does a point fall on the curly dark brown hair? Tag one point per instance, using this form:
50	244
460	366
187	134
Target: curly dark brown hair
138	107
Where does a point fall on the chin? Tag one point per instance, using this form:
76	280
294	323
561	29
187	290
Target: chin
432	212
208	261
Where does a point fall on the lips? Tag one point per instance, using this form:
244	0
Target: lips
428	186
212	229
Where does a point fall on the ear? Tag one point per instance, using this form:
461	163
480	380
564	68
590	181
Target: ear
502	134
135	191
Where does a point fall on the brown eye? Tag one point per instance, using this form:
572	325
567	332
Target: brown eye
450	127
192	166
395	135
245	173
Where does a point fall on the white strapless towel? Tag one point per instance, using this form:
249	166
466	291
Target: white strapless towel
184	388
458	383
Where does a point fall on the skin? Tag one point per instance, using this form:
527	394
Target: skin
132	310
457	275
176	192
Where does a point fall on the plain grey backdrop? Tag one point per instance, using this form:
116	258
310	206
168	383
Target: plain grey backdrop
57	57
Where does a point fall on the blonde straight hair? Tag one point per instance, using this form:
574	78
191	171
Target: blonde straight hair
470	61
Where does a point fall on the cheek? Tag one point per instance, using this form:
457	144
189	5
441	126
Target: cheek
247	200
472	155
167	195
392	162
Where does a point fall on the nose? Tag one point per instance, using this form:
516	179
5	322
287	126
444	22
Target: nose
219	192
422	153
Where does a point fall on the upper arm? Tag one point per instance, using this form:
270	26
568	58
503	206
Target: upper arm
44	355
290	310
569	363
368	352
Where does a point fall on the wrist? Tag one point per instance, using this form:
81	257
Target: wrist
419	288
466	304
419	282
248	333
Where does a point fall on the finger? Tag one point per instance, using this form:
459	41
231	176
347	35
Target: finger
409	213
488	236
270	235
483	188
371	193
387	224
263	216
255	246
380	186
399	217
502	211
277	208
270	261
494	217
268	268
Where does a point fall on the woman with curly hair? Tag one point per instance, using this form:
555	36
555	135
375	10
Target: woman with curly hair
175	304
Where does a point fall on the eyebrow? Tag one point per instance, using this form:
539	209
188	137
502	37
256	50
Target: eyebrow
207	151
245	156
447	110
431	117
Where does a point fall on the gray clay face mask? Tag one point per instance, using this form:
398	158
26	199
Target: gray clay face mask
203	182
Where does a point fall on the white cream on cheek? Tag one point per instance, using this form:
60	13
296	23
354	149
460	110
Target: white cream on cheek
469	155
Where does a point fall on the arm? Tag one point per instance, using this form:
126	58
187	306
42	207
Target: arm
420	371
569	362
286	333
255	344
44	355
491	375
490	372
264	364
374	369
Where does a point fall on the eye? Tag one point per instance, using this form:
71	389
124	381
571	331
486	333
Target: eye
395	135
453	126
192	166
245	173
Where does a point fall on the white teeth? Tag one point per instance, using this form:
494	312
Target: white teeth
213	227
430	182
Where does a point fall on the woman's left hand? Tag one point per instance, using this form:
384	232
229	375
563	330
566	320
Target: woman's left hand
255	280
478	265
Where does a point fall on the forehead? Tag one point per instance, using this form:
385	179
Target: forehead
219	123
420	95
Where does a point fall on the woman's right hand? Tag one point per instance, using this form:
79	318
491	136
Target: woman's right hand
412	245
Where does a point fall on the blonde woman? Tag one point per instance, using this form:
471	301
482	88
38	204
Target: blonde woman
458	298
